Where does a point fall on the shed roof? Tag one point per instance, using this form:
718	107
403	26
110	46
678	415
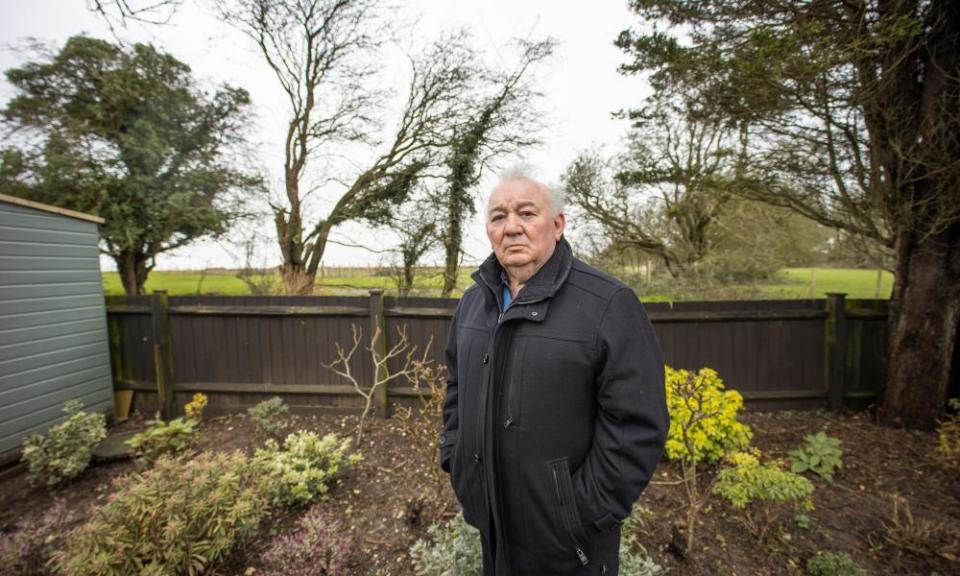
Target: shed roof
49	208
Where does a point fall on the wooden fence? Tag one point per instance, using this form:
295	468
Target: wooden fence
780	354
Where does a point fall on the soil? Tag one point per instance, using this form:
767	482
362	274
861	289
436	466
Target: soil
388	500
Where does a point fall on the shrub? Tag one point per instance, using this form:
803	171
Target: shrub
451	549
949	436
634	560
28	549
194	408
271	416
820	454
67	448
703	427
763	492
161	438
301	471
833	564
701	398
319	547
180	517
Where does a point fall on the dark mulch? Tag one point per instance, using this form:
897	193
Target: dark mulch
389	499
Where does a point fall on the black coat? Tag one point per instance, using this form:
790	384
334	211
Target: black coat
554	416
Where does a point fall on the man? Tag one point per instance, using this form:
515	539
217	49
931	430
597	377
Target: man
555	414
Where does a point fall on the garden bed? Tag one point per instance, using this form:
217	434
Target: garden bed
387	501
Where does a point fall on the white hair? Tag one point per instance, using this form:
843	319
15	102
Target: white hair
555	194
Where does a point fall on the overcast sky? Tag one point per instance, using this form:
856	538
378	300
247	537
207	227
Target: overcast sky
581	83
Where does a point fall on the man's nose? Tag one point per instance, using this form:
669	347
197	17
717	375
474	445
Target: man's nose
513	225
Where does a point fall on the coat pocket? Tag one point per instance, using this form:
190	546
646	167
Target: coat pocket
566	502
467	486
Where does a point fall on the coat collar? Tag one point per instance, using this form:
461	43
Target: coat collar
543	285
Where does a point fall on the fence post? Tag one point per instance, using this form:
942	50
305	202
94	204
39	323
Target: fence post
162	353
381	406
835	343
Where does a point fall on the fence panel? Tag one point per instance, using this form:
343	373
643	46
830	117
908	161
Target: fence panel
240	350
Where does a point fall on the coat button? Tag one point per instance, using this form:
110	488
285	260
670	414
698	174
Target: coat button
534	314
486	358
443	438
476	457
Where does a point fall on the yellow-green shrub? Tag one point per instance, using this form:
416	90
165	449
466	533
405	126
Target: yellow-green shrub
701	398
194	408
301	470
762	492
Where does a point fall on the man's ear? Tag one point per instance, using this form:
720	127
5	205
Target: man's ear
559	221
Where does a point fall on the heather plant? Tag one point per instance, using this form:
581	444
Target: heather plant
833	564
703	428
948	434
28	548
301	470
67	448
179	517
194	408
450	549
271	416
160	438
319	547
763	492
819	454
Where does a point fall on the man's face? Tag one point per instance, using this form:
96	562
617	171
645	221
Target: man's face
521	228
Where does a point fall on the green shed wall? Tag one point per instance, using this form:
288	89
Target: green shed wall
53	330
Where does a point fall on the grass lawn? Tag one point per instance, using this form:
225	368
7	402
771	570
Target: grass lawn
816	282
792	283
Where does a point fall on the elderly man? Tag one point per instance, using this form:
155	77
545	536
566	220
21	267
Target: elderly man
554	415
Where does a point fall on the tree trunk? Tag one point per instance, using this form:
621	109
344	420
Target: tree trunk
924	314
452	241
133	271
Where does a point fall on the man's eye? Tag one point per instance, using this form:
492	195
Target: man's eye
528	214
495	217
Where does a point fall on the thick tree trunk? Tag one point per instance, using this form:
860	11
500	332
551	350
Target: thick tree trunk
924	315
133	270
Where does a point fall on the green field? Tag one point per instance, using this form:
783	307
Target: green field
816	282
792	283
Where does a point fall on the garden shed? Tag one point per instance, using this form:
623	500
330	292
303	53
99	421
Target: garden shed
53	328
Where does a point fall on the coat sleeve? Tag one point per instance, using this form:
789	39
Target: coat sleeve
632	419
451	424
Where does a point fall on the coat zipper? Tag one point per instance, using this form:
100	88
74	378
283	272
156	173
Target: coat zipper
567	521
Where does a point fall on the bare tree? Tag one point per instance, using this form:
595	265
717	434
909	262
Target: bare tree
157	12
322	52
667	191
410	369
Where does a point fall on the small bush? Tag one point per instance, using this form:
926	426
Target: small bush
302	469
160	438
451	549
634	560
271	416
194	408
180	517
67	448
27	549
763	492
717	431
820	454
949	437
319	547
833	564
